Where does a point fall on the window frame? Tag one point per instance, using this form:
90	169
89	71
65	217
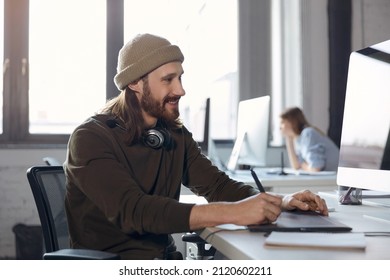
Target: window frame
15	91
16	79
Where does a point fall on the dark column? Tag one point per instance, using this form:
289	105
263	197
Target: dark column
340	30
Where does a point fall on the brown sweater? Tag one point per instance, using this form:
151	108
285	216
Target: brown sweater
124	199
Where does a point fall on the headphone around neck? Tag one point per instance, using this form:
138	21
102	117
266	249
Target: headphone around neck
156	138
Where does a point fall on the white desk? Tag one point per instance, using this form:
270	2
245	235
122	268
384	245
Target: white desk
287	183
247	245
281	184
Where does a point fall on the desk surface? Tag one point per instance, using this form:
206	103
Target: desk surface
242	244
283	184
287	183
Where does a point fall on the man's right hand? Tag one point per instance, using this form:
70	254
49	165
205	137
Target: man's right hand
257	209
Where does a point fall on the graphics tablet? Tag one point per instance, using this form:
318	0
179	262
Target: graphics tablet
302	221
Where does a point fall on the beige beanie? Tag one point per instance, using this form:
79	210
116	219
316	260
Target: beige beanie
142	55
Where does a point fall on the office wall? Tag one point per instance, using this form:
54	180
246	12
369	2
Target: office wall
371	22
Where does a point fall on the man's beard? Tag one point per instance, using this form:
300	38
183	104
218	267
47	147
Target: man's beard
154	108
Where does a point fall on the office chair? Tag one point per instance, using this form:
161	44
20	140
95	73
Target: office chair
197	248
48	187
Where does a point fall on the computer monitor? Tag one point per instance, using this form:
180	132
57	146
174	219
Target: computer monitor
204	144
250	147
364	150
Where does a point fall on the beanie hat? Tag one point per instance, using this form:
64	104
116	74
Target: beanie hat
142	55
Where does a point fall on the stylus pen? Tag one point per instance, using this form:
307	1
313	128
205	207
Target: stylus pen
257	181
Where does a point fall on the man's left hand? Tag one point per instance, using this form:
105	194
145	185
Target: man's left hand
305	200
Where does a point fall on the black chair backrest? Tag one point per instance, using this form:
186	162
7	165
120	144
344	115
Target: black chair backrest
48	187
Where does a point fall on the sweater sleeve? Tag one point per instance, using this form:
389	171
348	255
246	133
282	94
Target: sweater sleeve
205	179
102	189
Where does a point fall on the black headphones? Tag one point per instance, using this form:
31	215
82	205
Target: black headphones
155	138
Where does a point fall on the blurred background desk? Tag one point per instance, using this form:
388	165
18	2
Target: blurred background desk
246	245
282	183
287	183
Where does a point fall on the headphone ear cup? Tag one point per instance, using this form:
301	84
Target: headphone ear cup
157	138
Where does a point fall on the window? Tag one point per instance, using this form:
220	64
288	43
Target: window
66	63
54	68
57	55
2	59
210	50
286	62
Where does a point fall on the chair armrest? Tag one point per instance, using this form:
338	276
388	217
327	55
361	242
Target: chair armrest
80	254
203	251
193	237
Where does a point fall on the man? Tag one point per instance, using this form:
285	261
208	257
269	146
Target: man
125	166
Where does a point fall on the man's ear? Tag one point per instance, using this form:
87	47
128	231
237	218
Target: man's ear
135	86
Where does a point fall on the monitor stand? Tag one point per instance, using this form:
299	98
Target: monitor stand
235	154
350	195
213	156
282	173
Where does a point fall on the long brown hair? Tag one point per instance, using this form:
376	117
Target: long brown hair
127	108
297	118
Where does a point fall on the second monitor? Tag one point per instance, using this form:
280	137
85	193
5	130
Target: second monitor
250	147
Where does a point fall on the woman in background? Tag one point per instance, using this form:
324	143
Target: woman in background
308	147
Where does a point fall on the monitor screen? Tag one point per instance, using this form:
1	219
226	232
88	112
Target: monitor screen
250	147
364	160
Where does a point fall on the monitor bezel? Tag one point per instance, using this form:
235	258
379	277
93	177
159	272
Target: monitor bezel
251	143
361	177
